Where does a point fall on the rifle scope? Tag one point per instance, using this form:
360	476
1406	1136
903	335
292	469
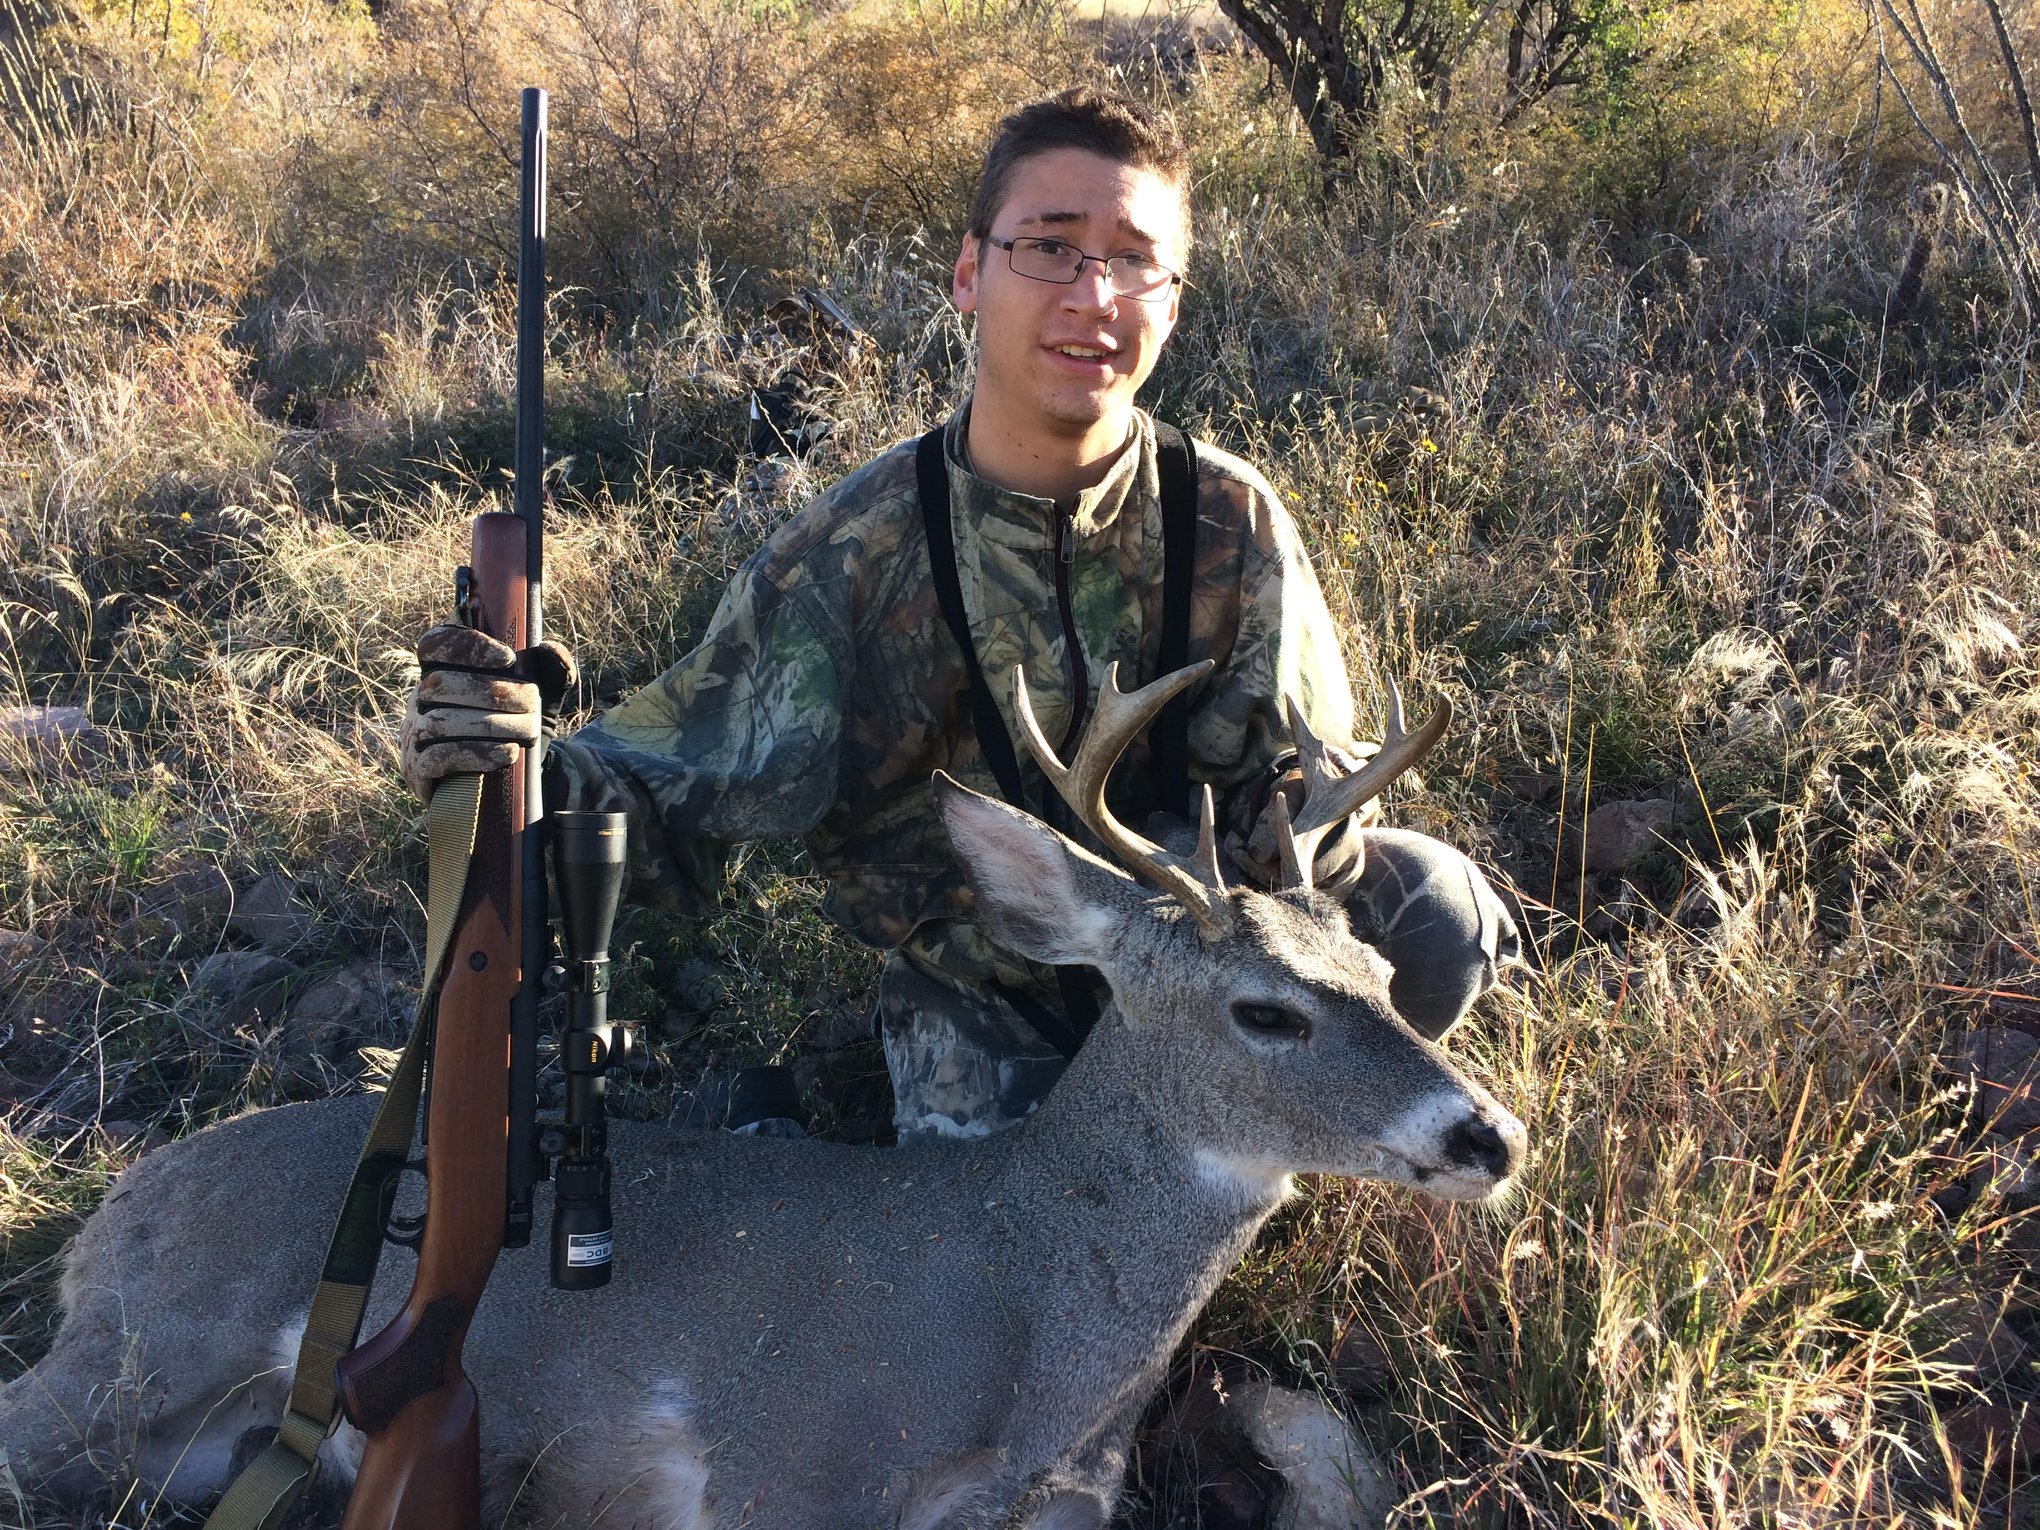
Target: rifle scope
588	879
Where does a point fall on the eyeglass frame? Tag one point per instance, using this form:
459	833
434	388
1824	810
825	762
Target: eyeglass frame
1084	258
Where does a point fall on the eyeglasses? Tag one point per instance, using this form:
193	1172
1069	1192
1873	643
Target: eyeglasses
1059	261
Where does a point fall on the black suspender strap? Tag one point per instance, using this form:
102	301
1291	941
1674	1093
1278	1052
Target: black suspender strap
993	741
1064	1031
1169	739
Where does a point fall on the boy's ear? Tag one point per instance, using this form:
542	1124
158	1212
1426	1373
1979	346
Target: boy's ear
963	280
1038	893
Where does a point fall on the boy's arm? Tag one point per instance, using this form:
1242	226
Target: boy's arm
737	741
1286	647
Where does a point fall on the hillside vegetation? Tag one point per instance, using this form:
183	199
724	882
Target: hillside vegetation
1678	423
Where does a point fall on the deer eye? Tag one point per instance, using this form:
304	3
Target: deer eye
1270	1020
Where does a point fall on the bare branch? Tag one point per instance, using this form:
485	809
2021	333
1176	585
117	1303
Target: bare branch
1995	214
2016	77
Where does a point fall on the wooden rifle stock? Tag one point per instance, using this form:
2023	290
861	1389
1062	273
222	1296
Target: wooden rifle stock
404	1388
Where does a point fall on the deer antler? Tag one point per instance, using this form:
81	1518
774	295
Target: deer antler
1329	797
1119	717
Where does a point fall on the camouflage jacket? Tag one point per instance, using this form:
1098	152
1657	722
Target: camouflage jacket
828	689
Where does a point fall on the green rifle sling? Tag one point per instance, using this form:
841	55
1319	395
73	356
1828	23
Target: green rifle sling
263	1493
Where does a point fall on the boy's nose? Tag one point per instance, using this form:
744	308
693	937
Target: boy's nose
1092	290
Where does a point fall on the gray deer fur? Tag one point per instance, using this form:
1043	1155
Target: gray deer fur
802	1334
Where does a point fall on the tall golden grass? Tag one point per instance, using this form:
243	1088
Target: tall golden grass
1605	426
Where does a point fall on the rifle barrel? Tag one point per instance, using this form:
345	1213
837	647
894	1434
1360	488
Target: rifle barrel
530	463
529	499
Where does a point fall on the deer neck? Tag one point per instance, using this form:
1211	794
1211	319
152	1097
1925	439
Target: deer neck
1105	1160
1122	1217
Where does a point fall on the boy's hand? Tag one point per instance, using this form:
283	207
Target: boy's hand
470	711
1258	854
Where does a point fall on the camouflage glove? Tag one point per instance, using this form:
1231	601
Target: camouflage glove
471	710
1259	857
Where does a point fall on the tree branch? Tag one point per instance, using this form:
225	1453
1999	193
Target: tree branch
2016	77
2003	240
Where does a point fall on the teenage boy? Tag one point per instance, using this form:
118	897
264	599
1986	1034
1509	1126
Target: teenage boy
833	680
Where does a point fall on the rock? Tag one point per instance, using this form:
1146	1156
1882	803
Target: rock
704	986
48	732
270	914
675	1025
2009	1173
17	949
2006	1067
1953	1198
244	984
697	990
1361	1367
41	1011
1335	1482
2012	1005
1609	920
1524	780
1619	834
836	1021
335	1016
2003	1433
1986	1345
190	895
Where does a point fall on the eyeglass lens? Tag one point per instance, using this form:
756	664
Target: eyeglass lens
1053	260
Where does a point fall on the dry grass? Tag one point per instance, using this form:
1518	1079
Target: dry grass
1603	428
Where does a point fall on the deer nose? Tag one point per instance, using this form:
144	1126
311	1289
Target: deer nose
1481	1145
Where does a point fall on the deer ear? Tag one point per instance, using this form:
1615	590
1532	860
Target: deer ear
1043	896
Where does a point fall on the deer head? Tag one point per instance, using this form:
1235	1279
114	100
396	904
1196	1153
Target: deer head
1257	1027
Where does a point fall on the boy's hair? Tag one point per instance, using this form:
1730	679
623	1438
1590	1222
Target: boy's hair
1081	118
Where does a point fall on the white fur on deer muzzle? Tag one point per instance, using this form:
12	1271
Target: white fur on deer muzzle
1440	1146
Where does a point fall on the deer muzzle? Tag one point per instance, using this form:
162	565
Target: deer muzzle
1458	1144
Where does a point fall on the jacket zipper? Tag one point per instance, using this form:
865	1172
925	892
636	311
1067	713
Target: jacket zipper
1073	648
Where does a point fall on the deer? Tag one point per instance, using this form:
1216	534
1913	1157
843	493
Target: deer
808	1334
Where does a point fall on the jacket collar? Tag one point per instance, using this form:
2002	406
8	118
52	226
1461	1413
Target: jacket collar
1096	507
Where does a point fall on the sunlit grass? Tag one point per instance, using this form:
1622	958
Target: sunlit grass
1663	506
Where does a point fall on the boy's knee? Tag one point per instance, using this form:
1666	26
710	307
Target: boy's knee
1440	924
961	1065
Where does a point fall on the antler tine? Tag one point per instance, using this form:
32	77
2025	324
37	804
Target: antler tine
1296	858
1310	748
1328	797
1119	717
1207	840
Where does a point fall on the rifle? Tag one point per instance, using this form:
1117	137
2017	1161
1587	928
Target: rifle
488	946
404	1389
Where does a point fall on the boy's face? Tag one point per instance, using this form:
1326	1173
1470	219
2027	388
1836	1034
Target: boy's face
1026	328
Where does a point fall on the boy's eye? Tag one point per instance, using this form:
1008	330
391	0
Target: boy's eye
1052	247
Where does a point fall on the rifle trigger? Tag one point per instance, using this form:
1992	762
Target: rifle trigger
404	1231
